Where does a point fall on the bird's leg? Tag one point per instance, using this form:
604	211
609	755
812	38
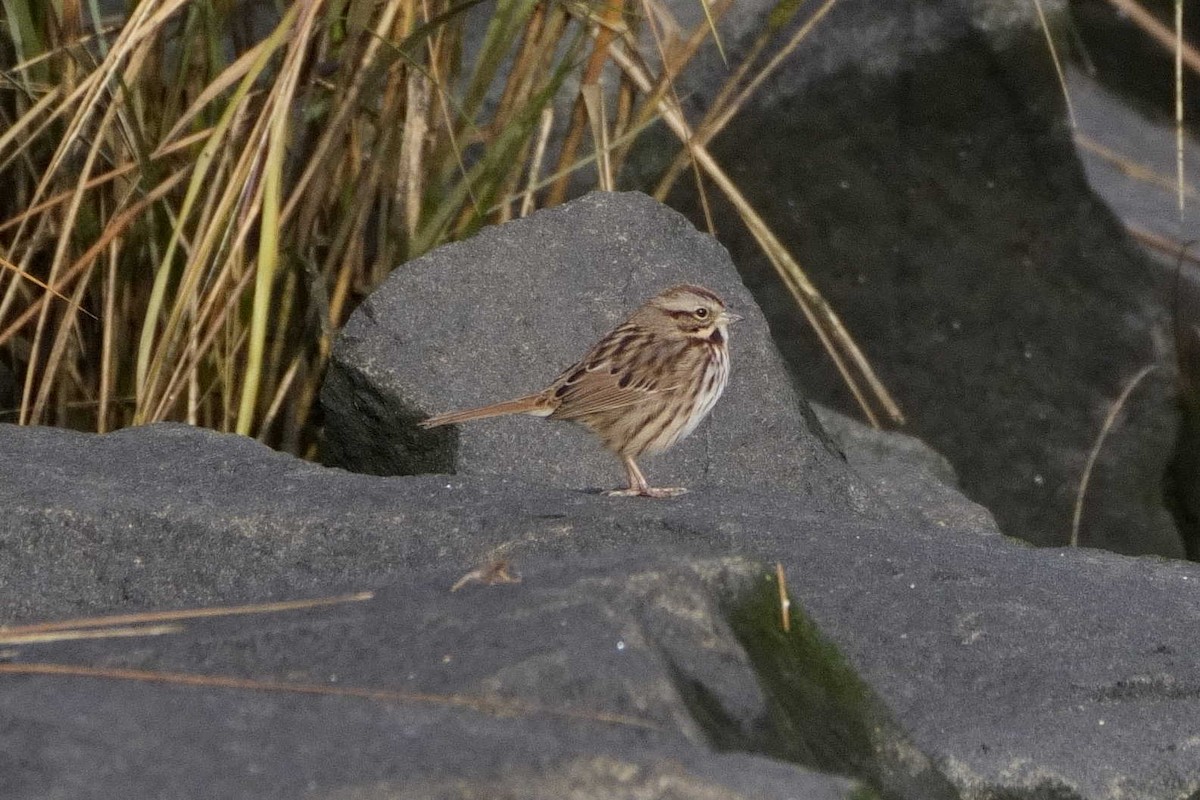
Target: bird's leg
638	486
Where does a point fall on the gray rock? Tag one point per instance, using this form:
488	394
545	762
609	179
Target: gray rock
1014	671
938	203
500	315
569	684
905	473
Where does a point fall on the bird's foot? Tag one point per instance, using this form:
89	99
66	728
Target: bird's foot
647	491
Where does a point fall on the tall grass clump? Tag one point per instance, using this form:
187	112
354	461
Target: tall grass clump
198	192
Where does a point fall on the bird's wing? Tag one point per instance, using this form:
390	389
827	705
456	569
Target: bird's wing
596	387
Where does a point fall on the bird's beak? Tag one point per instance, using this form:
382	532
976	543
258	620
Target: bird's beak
731	318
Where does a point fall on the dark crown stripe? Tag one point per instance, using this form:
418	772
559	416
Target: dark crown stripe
700	291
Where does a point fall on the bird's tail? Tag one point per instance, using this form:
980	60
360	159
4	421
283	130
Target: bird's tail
529	404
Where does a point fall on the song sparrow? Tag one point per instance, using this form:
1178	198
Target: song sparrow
641	388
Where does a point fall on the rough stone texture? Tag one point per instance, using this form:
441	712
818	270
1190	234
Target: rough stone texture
1016	672
566	685
905	472
919	165
500	315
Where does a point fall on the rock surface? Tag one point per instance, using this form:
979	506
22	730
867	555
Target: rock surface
566	685
641	654
905	472
938	204
1112	136
502	314
1001	669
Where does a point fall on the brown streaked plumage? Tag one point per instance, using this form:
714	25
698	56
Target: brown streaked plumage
641	388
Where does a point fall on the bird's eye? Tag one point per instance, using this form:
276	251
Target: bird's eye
701	312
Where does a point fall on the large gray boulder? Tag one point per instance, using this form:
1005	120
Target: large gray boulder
905	472
570	684
918	161
500	315
920	657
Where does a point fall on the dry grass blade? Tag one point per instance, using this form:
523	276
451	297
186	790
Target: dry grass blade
36	118
680	55
281	103
834	338
227	79
74	635
1179	176
152	352
116	228
1058	70
1131	167
666	85
1159	32
94	183
222	197
412	145
344	113
593	99
39	282
90	96
45	379
528	200
822	318
723	109
211	319
492	706
615	145
148	617
1162	244
1106	426
712	29
785	602
609	20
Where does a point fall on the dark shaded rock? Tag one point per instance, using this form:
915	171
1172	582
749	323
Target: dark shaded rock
1106	126
500	315
9	397
1182	487
905	472
936	200
1017	672
1124	57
